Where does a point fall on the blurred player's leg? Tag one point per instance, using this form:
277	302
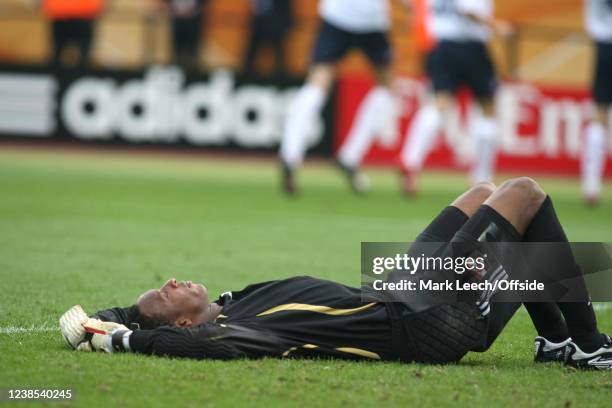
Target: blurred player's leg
596	141
186	39
84	40
254	45
278	47
368	121
485	145
61	38
593	160
595	151
302	114
427	122
371	116
440	67
303	111
331	45
420	139
421	136
361	135
376	112
479	74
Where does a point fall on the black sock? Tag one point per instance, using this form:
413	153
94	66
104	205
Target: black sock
579	316
548	320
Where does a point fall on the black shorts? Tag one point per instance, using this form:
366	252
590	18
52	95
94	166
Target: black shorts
444	333
428	63
602	81
333	43
463	63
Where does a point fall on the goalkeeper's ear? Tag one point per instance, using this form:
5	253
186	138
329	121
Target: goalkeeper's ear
143	321
183	322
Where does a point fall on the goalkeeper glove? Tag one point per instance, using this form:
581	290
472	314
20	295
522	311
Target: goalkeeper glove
104	336
86	334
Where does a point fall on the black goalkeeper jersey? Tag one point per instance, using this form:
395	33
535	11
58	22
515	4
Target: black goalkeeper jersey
296	317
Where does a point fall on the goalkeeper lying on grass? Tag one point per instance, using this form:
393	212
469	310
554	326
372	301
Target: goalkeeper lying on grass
307	317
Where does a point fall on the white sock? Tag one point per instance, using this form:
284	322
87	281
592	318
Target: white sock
421	136
300	117
593	159
485	151
374	110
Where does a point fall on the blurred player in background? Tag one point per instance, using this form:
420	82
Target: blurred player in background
72	25
421	28
270	23
461	30
187	22
413	151
361	24
599	25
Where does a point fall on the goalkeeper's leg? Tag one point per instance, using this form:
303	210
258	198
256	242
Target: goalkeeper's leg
524	205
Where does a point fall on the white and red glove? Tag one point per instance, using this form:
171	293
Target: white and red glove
87	334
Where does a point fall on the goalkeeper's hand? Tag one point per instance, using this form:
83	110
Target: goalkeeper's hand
87	334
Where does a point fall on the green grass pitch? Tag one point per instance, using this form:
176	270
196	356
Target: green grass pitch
99	228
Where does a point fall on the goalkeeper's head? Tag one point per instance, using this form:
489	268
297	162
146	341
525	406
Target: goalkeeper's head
183	304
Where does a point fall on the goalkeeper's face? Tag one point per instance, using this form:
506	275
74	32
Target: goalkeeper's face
180	303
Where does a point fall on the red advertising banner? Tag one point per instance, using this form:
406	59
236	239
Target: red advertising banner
541	128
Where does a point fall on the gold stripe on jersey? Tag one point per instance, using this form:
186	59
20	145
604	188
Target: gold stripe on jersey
286	353
306	346
359	352
349	350
316	308
310	346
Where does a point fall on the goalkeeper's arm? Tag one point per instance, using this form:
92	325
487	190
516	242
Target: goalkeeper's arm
84	333
210	340
122	315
